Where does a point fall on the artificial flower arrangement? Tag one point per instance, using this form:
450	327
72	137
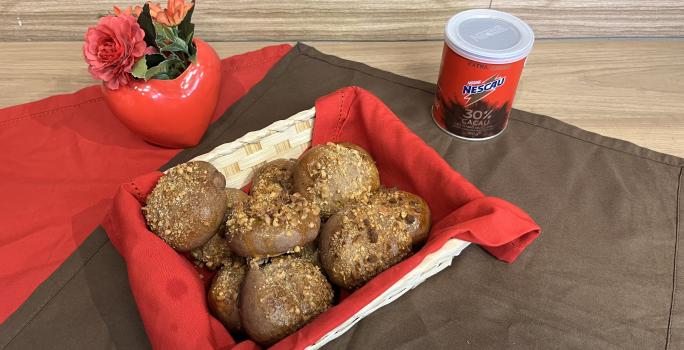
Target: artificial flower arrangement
157	78
147	42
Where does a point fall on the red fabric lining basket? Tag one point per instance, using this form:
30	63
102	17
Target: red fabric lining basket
171	296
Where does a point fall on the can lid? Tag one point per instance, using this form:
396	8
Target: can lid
489	36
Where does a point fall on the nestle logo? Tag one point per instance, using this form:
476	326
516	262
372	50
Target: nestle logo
483	88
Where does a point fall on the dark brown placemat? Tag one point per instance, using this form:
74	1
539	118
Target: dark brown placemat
602	274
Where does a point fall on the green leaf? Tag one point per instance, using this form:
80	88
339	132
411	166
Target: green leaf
140	68
178	69
188	34
192	49
168	39
163	69
164	33
193	59
145	22
172	56
176	45
154	59
186	29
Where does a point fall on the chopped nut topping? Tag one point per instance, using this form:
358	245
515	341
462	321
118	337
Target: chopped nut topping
334	175
187	206
364	240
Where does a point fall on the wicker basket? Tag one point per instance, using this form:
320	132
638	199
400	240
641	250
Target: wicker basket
289	138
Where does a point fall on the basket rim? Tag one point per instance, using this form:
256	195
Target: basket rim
253	137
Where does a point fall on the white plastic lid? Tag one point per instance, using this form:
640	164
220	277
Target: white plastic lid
489	36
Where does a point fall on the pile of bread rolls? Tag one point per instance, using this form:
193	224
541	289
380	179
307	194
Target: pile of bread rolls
306	224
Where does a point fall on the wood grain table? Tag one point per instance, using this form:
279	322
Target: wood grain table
631	89
372	20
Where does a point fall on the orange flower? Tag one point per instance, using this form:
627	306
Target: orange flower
128	11
154	9
173	14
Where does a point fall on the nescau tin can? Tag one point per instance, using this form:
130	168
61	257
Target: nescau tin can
483	56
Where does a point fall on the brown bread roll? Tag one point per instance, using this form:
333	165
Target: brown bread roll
335	175
273	177
260	228
187	206
233	197
407	207
274	220
279	297
216	251
309	252
222	297
359	242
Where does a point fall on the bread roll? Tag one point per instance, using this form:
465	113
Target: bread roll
274	220
273	177
187	206
279	297
359	242
216	251
335	175
260	228
233	197
222	297
409	208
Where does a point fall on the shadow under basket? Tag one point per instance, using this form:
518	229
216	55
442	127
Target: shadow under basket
289	138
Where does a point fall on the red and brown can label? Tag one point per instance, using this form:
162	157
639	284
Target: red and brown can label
474	99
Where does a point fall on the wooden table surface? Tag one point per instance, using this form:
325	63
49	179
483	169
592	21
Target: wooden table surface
371	20
631	89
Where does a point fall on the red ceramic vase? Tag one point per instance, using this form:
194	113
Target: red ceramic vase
171	113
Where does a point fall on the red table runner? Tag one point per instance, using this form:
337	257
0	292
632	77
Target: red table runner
63	159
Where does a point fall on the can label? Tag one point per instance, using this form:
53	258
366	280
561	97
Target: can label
474	99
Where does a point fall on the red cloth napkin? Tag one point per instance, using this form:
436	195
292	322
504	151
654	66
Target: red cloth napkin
63	159
171	296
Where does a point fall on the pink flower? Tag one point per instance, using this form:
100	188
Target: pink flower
112	47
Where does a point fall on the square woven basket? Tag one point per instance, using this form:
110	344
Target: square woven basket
289	138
